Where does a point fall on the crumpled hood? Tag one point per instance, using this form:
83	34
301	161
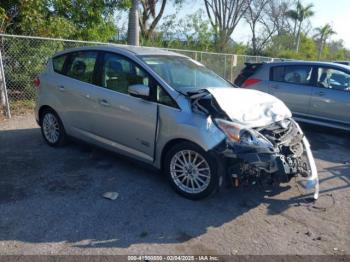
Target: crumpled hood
251	108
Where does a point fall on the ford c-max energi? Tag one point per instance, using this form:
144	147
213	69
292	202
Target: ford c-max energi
172	112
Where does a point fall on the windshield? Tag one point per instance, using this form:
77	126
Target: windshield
184	74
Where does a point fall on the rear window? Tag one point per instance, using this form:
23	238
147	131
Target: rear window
292	74
247	72
58	63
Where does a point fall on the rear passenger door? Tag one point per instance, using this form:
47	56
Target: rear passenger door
293	85
77	92
331	96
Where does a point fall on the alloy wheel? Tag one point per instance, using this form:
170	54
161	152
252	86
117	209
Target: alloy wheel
190	171
51	128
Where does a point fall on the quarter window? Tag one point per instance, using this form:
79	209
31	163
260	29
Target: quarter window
58	63
119	73
292	74
164	98
82	66
333	78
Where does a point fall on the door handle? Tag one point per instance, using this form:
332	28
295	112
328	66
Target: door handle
321	93
61	87
103	102
274	86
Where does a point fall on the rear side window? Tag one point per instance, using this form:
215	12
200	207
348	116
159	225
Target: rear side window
58	63
292	74
81	66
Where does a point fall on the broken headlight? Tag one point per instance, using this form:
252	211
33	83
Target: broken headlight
240	134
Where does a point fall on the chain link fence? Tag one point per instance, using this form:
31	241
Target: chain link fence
24	57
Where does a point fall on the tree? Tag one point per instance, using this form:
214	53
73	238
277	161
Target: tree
336	51
253	16
323	33
265	19
293	15
79	19
190	32
133	26
6	15
224	16
149	17
93	20
277	15
299	15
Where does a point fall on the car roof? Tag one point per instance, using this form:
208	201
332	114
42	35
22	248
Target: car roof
124	49
314	63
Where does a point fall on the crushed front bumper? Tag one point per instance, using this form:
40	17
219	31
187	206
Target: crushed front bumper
290	156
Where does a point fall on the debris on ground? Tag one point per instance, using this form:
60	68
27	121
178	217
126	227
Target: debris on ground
308	233
111	195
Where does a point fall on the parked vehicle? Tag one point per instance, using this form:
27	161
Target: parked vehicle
316	92
170	111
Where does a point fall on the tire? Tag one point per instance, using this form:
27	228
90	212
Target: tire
52	128
205	176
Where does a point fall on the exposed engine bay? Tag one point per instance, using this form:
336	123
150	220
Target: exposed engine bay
270	147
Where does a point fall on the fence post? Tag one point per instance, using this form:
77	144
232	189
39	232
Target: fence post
3	91
225	68
232	65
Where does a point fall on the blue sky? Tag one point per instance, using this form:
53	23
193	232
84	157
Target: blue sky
335	12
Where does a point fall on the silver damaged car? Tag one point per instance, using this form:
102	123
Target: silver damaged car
172	112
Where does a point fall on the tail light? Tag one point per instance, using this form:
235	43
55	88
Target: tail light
250	81
36	82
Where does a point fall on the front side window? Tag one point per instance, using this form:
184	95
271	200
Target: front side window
333	78
292	74
118	73
184	74
82	66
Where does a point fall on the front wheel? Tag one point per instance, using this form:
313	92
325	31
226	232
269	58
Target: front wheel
191	171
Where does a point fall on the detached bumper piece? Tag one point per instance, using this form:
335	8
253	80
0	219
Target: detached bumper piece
290	155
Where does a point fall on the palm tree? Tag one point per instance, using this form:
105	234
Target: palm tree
133	27
323	33
293	14
299	15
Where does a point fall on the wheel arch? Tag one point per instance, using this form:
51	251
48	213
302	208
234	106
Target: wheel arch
42	109
171	144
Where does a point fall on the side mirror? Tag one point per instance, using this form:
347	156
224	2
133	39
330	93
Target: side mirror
139	90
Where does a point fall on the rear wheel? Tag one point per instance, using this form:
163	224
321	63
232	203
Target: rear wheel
191	171
52	128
